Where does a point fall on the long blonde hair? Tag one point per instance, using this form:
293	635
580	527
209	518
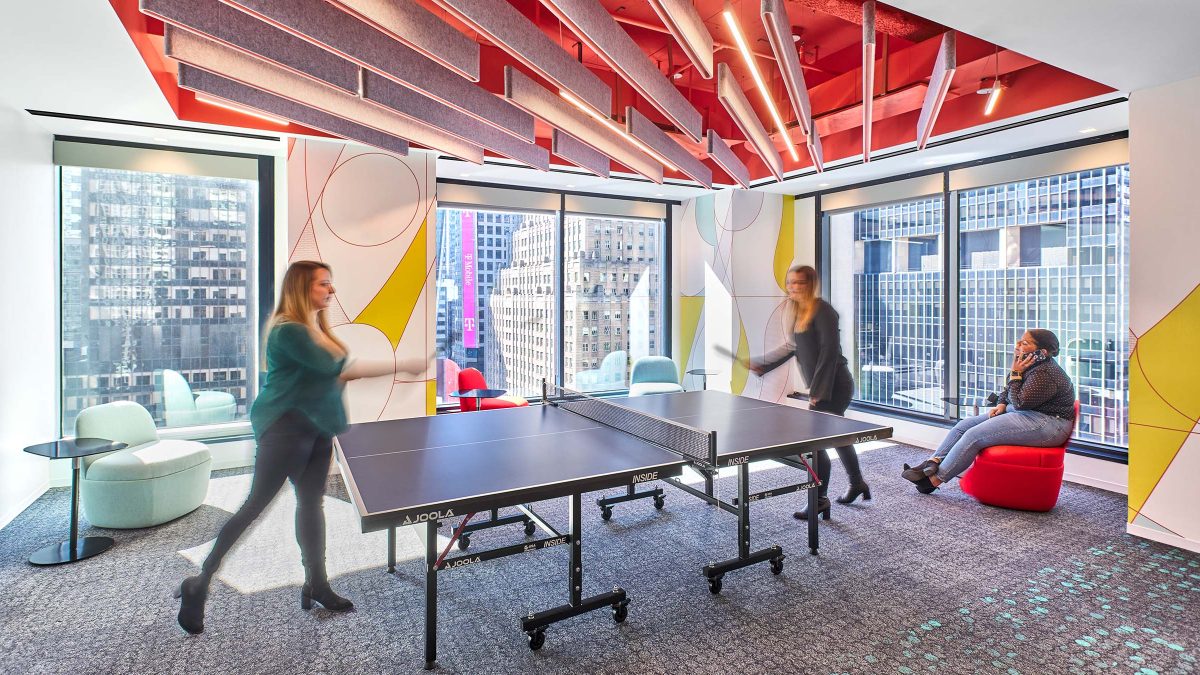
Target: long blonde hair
295	303
797	312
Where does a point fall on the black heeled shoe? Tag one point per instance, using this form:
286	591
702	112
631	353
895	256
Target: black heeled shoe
925	486
192	594
854	491
923	470
324	596
823	507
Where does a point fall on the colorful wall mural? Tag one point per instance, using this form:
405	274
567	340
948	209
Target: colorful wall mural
369	214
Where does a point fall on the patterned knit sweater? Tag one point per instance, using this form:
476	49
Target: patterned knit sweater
1044	388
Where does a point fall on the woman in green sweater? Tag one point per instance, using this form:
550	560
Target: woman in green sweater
294	417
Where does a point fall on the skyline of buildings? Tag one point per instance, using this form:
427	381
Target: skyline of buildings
612	297
156	274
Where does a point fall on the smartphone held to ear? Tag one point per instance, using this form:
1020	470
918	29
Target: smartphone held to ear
1038	355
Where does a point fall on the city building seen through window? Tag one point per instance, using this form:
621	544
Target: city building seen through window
157	294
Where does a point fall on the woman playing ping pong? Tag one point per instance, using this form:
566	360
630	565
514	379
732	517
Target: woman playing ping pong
812	340
294	418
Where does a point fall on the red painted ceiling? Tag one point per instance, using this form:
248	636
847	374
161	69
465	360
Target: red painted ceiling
830	47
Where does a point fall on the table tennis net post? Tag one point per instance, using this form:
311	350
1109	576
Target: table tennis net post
697	445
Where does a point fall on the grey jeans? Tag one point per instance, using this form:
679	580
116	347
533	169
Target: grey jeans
1015	427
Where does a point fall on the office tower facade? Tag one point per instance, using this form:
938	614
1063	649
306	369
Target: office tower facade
157	273
1050	252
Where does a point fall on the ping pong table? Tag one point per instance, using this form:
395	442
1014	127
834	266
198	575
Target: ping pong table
425	470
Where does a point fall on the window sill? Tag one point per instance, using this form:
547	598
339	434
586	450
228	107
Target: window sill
209	433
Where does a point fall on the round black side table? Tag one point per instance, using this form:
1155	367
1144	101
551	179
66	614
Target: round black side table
75	549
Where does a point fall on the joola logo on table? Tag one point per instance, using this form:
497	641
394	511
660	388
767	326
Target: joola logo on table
864	439
460	562
426	517
643	477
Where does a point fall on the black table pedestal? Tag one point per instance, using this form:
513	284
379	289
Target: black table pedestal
75	549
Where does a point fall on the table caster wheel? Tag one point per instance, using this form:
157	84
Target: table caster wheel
776	565
464	541
659	500
620	611
714	584
606	512
537	638
530	527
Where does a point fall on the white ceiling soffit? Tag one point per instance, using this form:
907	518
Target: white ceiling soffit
71	56
1124	44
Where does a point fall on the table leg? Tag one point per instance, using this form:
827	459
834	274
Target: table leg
431	556
74	549
813	516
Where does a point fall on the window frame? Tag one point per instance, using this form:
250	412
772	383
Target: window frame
264	286
950	286
559	269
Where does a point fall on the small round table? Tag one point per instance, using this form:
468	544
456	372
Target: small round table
75	549
973	402
703	376
479	395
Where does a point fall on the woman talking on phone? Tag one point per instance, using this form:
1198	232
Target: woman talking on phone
1036	408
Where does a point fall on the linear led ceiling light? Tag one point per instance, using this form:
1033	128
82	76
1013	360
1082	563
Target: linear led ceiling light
779	33
734	100
719	152
684	22
868	75
595	27
508	29
748	57
617	130
993	92
939	84
571	118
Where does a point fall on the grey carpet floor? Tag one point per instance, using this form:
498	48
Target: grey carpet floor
906	583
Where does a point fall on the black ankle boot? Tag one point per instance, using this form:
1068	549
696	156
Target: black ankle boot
854	491
192	594
925	486
324	596
822	510
923	470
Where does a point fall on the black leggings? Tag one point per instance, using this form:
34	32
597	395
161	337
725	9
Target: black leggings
843	390
291	448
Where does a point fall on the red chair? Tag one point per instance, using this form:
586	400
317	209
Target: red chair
470	378
1017	476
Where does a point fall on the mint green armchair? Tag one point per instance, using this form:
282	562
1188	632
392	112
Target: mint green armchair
183	409
150	482
654	375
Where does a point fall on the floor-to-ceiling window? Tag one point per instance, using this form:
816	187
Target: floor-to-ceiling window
886	274
1050	252
613	312
158	293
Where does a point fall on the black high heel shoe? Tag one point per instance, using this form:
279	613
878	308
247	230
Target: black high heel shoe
324	596
823	507
192	594
854	491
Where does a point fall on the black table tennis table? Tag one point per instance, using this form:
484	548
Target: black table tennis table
422	471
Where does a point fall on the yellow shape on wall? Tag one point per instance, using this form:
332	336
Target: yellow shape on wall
1164	400
430	397
691	308
740	374
785	246
392	307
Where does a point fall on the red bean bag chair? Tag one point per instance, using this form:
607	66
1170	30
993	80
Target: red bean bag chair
471	378
1017	476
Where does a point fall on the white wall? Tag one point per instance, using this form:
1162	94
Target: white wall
28	306
1164	317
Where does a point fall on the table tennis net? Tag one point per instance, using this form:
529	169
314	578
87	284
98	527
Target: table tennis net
695	444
